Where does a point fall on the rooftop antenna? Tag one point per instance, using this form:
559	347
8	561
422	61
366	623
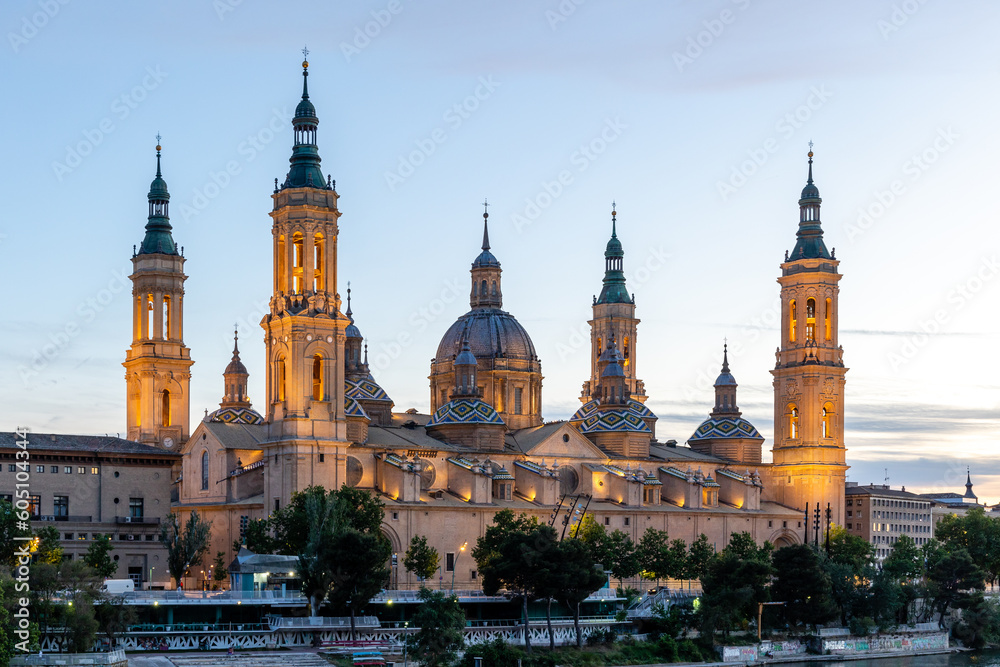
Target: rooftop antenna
886	475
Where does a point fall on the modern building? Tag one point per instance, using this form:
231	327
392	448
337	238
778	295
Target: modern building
880	515
87	486
947	502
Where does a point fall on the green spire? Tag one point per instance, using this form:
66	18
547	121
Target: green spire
614	290
158	238
305	171
809	238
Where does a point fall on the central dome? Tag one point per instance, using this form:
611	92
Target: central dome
492	333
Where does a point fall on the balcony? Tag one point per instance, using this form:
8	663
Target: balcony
138	519
70	518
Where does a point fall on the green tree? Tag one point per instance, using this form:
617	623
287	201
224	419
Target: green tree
8	532
219	570
621	556
114	617
80	622
654	554
315	559
905	561
978	534
851	550
733	586
257	538
505	523
676	560
421	559
950	578
49	549
185	545
802	584
98	557
358	562
579	576
699	558
979	626
442	624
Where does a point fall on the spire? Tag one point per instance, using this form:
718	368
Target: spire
809	238
349	314
236	379
486	225
614	290
725	388
725	357
305	168
465	367
158	238
486	271
968	485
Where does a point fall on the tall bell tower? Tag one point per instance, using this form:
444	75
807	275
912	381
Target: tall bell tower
304	329
809	374
157	364
614	318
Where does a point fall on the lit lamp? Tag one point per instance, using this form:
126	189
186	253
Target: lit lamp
454	566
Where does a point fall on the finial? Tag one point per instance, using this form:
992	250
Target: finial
349	314
810	180
329	182
158	149
486	226
366	352
725	355
275	185
305	73
236	341
614	213
305	58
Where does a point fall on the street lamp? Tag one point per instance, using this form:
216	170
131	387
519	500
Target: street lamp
454	566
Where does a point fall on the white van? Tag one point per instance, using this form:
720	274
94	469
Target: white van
118	586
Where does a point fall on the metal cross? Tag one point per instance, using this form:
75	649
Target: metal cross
305	53
157	137
486	206
810	144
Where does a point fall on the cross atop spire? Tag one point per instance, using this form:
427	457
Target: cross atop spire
614	213
158	149
486	227
305	53
725	356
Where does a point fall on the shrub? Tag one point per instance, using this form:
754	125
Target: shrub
495	653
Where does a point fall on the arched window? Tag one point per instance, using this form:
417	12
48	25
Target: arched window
811	320
149	317
281	379
319	259
625	351
297	262
482	289
793	320
600	347
280	273
165	407
793	421
828	420
494	292
827	317
204	471
317	378
166	318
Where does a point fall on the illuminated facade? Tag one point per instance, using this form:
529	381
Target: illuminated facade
484	446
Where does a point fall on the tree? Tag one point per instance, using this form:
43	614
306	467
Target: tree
80	623
850	550
802	585
579	576
949	578
676	560
257	538
185	546
114	617
442	624
699	558
421	559
8	532
621	556
978	534
733	586
315	570
219	570
904	562
98	557
358	561
49	550
743	546
654	553
505	523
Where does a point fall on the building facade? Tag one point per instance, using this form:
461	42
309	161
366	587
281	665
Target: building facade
881	515
485	445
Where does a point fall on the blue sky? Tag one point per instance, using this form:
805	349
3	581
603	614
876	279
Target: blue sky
693	116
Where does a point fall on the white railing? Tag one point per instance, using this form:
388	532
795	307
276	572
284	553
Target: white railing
286	622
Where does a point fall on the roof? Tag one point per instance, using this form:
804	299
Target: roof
94	444
236	416
492	333
238	436
881	491
526	439
466	411
398	436
614	420
353	409
365	390
590	407
725	427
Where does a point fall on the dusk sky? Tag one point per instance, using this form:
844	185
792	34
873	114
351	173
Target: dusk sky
695	117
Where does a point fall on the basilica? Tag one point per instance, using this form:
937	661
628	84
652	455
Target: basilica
485	446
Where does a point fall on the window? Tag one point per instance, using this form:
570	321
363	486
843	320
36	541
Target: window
204	471
607	521
297	251
60	506
68	470
244	522
811	320
793	320
35	507
626	521
849	502
828	325
281	265
395	516
281	379
449	562
39	468
135	508
82	536
277	504
166	318
850	526
93	471
828	420
625	351
11	467
793	421
321	457
67	536
165	407
317	378
318	262
54	469
80	470
770	524
517	400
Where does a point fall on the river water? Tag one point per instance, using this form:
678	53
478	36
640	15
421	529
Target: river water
965	659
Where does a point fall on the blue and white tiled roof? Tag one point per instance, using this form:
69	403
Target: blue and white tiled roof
725	427
465	411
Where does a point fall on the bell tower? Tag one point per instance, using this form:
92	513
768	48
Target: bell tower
614	319
158	364
809	374
304	329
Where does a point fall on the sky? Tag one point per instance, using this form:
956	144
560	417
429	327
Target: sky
694	117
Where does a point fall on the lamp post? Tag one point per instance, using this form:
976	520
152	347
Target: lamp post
454	566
